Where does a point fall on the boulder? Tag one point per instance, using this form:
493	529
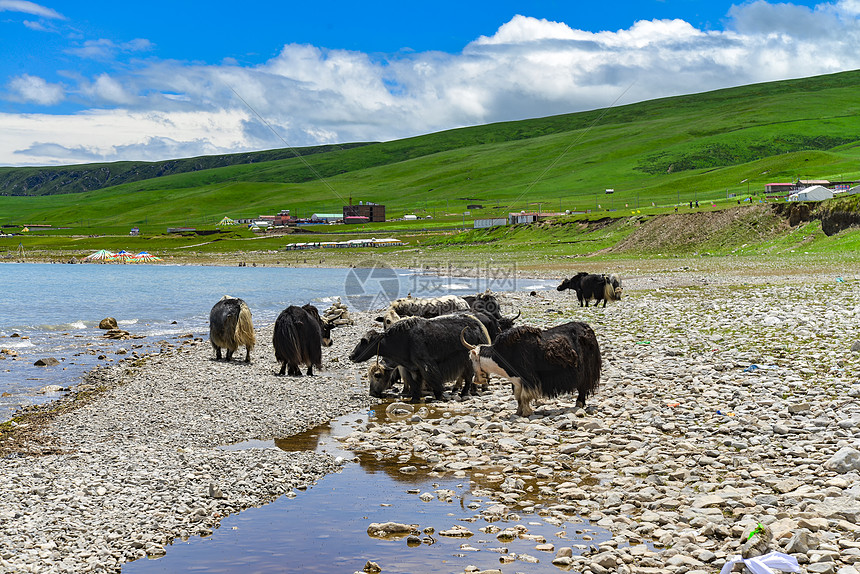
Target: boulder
845	460
49	362
384	529
108	323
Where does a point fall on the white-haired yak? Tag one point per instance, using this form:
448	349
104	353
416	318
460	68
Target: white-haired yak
590	286
230	327
546	363
426	351
298	338
426	307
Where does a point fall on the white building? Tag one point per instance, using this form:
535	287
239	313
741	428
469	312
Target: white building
812	193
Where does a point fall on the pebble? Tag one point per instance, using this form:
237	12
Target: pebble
141	465
686	446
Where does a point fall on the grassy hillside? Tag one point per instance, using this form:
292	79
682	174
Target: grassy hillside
80	178
704	147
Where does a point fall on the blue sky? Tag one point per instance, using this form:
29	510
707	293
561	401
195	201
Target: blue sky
106	81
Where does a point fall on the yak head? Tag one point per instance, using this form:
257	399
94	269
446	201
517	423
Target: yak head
506	323
387	320
325	326
572	283
367	347
379	378
481	376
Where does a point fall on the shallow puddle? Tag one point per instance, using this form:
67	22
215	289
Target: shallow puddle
325	529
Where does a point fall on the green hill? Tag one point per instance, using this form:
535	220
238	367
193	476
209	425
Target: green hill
706	147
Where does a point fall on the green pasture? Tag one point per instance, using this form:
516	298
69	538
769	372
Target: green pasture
718	148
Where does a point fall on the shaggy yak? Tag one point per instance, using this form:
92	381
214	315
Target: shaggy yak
425	351
230	327
298	338
539	363
597	287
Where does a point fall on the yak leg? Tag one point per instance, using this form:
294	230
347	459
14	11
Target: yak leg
580	397
283	370
411	385
247	355
523	407
217	352
433	377
229	354
604	303
310	370
294	371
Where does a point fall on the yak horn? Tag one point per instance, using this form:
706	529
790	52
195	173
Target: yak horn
463	340
519	312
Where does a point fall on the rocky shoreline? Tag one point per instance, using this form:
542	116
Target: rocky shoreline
722	406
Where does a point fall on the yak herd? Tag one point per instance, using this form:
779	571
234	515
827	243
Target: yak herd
425	343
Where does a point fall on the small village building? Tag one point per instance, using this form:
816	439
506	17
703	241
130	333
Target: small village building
522	217
372	211
326	217
812	193
490	222
134	231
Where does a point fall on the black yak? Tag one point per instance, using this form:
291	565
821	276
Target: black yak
298	338
539	363
230	327
487	304
427	351
590	286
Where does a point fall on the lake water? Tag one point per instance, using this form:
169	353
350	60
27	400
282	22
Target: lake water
324	529
55	309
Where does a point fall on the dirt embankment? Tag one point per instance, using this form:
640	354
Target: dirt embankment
835	216
705	230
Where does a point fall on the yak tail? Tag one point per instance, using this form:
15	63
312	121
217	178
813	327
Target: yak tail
286	342
608	291
245	329
591	363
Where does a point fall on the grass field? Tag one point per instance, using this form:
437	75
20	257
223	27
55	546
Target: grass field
717	148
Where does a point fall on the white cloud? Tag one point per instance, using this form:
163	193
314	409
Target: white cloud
29	8
528	68
108	90
112	135
33	89
103	49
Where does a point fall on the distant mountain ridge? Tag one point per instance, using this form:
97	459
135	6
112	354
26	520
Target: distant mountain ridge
52	180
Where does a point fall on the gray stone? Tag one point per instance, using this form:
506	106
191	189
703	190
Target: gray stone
845	460
801	542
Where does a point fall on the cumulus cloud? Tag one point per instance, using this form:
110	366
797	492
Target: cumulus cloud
33	89
107	90
118	134
31	8
530	67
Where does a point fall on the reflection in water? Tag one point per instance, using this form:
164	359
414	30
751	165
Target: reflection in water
325	529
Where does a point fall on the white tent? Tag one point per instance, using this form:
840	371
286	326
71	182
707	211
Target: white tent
812	193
